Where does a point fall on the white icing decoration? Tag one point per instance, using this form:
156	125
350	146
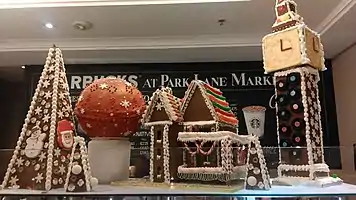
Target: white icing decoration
152	153
76	169
71	187
62	170
251	180
208	170
166	154
94	181
13	180
39	178
80	182
214	136
158	123
34	144
256	170
199	123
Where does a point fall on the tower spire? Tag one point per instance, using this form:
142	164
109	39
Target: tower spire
286	15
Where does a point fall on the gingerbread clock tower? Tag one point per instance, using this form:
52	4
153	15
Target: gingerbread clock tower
293	53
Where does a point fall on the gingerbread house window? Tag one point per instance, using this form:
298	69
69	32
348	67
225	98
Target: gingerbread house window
292	7
159	134
282	9
159	170
159	152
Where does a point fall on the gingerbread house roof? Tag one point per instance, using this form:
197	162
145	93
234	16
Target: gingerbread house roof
215	101
163	100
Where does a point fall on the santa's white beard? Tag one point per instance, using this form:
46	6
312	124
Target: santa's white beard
67	143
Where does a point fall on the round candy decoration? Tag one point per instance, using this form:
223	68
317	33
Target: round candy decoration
252	181
94	181
281	85
76	169
294	78
111	108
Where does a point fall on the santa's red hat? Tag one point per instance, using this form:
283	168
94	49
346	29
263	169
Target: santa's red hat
64	126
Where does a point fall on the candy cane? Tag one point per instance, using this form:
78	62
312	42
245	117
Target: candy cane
207	152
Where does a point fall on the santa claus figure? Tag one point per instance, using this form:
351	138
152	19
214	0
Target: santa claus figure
35	142
65	130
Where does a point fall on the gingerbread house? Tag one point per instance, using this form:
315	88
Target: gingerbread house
294	54
42	152
162	117
213	150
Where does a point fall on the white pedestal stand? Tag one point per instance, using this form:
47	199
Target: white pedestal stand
109	159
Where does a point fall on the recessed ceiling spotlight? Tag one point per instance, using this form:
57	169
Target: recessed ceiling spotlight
49	25
82	26
23	67
221	22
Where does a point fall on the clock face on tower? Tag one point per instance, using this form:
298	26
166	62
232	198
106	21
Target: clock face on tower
282	50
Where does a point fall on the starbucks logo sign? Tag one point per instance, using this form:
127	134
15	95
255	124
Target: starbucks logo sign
255	123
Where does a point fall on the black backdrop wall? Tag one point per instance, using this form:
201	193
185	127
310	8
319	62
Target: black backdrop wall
243	83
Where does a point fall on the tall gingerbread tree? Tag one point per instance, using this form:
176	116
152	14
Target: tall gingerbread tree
43	149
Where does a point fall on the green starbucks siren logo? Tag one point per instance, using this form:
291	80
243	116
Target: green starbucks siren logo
255	123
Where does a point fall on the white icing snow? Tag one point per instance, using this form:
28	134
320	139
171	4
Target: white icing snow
199	123
158	123
214	136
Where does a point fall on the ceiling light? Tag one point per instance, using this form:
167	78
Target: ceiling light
221	22
49	25
82	26
23	67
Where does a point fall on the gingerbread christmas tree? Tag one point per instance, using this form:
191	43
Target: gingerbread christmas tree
257	175
42	152
79	177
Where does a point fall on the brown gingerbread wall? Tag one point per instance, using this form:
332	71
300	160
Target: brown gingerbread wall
176	150
158	150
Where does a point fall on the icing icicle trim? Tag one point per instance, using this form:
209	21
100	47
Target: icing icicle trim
209	170
166	154
52	128
158	123
152	137
199	123
214	136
